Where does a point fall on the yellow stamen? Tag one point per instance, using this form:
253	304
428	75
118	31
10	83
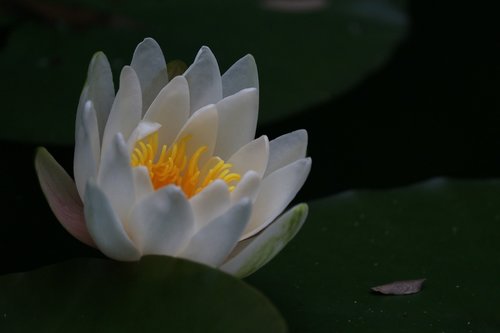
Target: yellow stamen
173	166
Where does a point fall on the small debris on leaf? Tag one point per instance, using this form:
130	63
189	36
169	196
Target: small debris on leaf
405	287
294	6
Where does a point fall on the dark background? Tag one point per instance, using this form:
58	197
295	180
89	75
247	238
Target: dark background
431	110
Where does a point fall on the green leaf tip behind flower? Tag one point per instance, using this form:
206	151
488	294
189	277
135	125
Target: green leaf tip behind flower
155	294
175	68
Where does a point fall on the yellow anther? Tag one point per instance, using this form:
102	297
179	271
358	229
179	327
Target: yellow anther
173	166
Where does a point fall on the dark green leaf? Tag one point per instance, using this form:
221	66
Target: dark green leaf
303	56
446	231
157	294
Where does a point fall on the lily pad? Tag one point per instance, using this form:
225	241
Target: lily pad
153	295
306	51
445	230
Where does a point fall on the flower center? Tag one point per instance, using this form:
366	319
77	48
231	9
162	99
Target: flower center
173	166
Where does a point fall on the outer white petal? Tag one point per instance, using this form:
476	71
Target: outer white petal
115	177
212	244
252	156
171	109
105	227
242	74
87	149
142	182
149	64
287	148
237	121
257	251
201	127
203	77
247	187
127	108
276	191
162	222
210	203
99	89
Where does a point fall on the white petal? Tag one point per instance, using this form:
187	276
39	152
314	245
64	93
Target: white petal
286	149
142	182
105	227
212	244
201	127
127	108
242	74
247	187
87	149
237	121
99	89
276	191
210	203
203	77
170	109
149	64
115	177
162	222
257	251
252	156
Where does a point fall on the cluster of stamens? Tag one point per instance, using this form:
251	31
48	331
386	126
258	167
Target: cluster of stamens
173	166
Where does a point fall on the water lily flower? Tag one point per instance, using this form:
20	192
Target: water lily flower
170	166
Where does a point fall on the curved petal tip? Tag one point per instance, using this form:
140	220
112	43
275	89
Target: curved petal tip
252	254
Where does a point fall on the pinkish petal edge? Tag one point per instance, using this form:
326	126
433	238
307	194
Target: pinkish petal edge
62	196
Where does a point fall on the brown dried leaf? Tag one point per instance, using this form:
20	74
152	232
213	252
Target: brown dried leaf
405	287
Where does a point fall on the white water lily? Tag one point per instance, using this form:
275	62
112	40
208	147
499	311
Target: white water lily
171	167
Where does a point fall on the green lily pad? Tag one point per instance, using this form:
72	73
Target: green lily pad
445	231
157	294
305	53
